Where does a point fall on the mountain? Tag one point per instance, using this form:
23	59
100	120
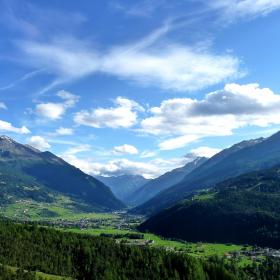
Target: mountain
163	182
123	186
27	174
241	158
243	210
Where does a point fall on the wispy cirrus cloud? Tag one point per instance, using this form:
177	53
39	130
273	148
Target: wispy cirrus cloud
231	10
25	77
3	106
170	66
144	8
35	21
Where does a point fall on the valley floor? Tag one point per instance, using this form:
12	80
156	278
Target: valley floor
122	227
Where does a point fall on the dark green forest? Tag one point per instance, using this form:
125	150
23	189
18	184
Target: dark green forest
34	248
242	210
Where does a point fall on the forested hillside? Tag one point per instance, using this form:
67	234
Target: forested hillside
243	210
84	257
30	175
241	158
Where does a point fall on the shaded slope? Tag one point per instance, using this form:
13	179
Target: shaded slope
124	186
163	182
241	158
244	210
26	173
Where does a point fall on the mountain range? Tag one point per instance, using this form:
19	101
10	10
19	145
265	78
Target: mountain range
124	186
163	182
241	158
27	174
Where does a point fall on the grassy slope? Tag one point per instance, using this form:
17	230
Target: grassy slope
43	276
61	209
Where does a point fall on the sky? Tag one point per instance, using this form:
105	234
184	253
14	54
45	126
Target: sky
138	87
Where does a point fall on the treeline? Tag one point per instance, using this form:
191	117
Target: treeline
33	248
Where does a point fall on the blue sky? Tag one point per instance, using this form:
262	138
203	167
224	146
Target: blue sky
138	87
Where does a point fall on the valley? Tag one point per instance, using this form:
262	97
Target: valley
121	227
227	216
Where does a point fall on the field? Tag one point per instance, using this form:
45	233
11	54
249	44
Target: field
112	224
63	209
118	228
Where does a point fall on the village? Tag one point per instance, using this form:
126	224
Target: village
255	253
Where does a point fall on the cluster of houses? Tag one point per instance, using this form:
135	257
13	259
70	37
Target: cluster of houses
255	253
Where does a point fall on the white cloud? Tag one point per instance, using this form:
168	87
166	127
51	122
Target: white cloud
125	149
207	152
149	169
64	131
124	114
8	127
176	68
54	111
218	114
245	8
25	77
39	143
144	8
77	149
170	66
148	154
51	111
3	106
177	142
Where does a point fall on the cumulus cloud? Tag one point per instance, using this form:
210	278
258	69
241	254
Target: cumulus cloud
3	106
207	152
8	127
124	115
171	66
64	131
39	143
125	149
149	169
54	111
218	114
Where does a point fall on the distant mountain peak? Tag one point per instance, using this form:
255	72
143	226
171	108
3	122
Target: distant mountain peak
247	143
6	138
